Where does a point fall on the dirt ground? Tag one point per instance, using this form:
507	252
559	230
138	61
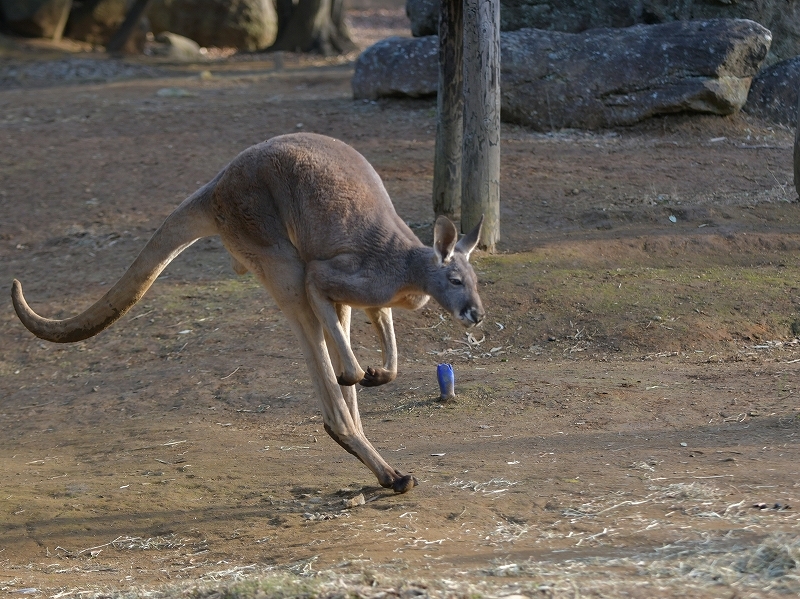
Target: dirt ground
626	405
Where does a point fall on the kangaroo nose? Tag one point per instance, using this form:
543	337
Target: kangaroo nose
472	314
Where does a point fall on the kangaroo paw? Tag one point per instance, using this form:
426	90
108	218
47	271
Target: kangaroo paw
377	376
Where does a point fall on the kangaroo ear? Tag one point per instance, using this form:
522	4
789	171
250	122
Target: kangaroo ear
445	235
470	241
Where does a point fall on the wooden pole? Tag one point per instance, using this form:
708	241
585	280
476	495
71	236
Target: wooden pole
796	156
480	188
450	111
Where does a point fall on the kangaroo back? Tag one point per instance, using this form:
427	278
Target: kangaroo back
188	223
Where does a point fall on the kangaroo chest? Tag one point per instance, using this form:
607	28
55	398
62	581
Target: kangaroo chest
409	300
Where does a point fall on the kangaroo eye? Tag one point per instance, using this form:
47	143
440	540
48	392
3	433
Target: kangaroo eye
456	281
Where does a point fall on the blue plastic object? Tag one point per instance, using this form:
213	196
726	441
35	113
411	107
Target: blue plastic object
447	381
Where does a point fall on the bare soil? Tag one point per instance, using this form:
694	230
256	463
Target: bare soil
628	401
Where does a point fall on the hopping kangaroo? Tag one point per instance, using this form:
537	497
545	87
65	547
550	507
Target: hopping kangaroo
309	217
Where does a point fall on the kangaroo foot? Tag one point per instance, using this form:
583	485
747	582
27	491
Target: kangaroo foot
399	482
403	483
377	376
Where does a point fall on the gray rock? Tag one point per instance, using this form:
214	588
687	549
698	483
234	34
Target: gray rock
599	78
70	71
243	24
782	17
611	77
424	17
570	16
176	47
398	66
773	93
38	18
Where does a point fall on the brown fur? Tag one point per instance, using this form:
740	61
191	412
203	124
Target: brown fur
310	218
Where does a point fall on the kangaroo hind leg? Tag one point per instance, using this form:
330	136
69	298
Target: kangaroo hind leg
348	391
328	314
284	278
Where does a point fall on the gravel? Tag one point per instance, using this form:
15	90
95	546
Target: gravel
71	70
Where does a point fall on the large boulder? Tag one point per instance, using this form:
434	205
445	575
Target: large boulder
609	77
424	16
97	22
398	66
243	24
571	16
599	78
773	94
782	17
37	18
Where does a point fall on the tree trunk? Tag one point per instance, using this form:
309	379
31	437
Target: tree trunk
117	41
450	111
312	26
480	190
797	149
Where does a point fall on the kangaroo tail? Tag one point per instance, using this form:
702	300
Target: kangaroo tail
188	223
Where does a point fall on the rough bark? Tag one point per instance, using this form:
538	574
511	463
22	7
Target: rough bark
797	150
480	188
312	26
118	40
450	111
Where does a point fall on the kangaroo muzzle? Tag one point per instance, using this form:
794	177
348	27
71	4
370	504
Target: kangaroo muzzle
471	315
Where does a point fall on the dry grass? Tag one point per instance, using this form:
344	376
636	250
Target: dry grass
710	568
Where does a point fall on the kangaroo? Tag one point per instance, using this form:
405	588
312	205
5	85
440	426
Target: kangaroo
311	219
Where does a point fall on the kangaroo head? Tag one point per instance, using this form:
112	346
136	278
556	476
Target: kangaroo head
453	282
